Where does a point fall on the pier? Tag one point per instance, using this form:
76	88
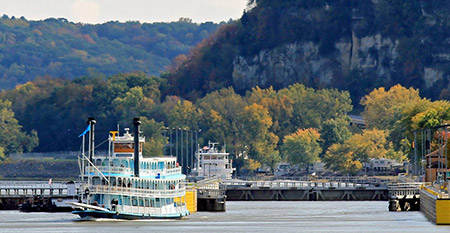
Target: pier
13	193
334	190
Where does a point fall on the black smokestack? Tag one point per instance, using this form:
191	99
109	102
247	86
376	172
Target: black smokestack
137	124
91	121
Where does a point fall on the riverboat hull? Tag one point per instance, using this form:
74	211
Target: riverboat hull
99	214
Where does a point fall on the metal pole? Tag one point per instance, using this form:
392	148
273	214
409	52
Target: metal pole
428	150
415	153
165	144
171	142
181	150
187	152
446	153
176	144
196	147
192	151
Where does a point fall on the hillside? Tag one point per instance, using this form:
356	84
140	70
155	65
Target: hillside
59	48
350	45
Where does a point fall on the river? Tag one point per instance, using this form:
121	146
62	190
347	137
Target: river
273	217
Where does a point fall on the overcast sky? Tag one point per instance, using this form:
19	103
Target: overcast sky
100	11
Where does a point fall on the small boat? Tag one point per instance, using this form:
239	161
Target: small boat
213	163
125	185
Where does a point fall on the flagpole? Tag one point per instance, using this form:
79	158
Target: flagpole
82	161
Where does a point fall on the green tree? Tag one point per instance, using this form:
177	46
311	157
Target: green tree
154	139
311	108
12	139
222	119
302	147
334	131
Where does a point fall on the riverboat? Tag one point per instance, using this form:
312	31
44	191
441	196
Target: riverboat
125	185
212	162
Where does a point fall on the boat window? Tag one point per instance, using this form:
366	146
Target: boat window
105	162
115	163
134	201
96	181
126	200
157	202
206	157
131	164
124	163
147	203
119	182
161	165
98	162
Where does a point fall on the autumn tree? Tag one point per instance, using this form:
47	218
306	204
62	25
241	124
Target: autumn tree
261	143
279	106
302	147
222	119
359	149
383	108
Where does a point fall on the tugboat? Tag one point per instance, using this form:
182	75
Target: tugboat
213	163
125	185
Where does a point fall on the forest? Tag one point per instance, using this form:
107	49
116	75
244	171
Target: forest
261	128
59	48
111	72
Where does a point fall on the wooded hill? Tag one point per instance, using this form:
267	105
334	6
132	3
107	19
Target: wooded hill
353	45
59	48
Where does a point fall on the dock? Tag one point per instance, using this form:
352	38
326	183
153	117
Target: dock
13	193
288	190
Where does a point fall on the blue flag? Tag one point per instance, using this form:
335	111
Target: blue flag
85	131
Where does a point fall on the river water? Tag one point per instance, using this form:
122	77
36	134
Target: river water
273	217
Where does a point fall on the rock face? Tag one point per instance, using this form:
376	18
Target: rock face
383	59
302	62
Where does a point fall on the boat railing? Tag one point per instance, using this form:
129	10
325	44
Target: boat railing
169	171
296	184
127	170
112	169
103	189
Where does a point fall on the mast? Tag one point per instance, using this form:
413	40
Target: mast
137	124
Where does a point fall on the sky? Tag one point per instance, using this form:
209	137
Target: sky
100	11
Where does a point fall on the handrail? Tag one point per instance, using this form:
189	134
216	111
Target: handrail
134	191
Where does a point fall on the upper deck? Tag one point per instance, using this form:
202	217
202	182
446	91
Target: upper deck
120	160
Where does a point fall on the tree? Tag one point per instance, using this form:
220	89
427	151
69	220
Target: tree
334	131
261	143
340	157
383	108
311	108
302	147
154	140
280	107
12	139
183	113
349	156
222	119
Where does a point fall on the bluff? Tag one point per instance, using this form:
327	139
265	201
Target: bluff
350	45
